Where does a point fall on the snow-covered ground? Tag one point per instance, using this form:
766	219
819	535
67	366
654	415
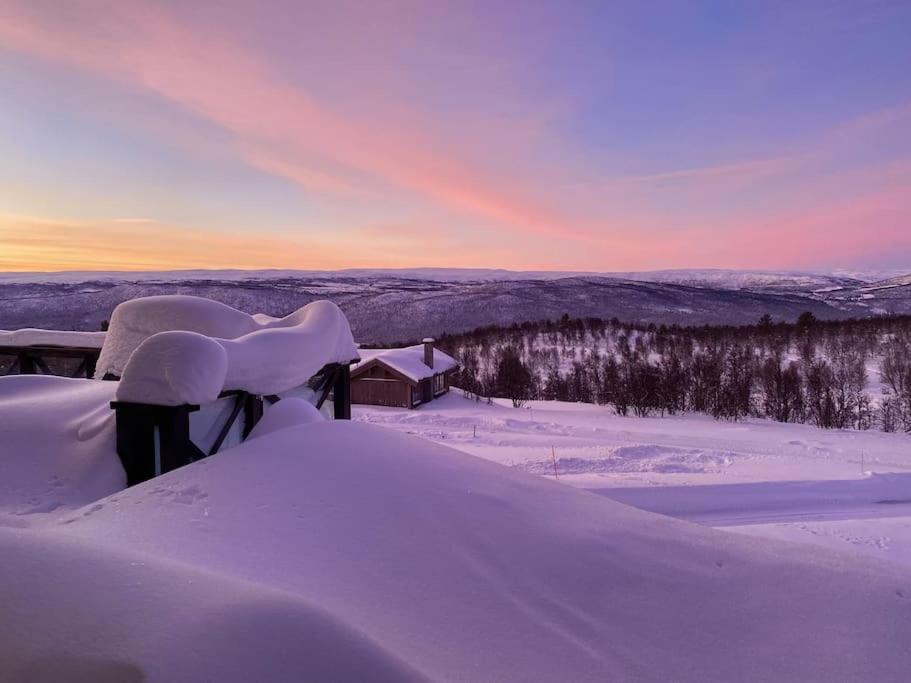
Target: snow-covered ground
348	551
843	489
339	551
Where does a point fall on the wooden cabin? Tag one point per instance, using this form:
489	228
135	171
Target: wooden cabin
401	378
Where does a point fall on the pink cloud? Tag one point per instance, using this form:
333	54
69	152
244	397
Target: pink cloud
143	47
369	144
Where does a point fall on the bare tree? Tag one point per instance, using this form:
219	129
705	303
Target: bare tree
512	379
782	389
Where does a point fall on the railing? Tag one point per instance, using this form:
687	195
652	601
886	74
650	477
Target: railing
153	439
32	360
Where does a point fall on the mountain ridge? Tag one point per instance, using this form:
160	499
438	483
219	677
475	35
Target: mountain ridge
385	308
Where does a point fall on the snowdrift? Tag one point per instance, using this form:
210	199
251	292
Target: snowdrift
342	551
166	349
56	446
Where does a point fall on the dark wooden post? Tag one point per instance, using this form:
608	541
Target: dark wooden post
152	440
135	441
341	393
26	363
91	361
253	412
176	448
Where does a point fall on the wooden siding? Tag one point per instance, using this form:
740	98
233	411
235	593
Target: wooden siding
378	385
381	392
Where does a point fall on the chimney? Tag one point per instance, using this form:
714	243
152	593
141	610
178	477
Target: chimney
428	352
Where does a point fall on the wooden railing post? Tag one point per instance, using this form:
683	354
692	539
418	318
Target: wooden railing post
152	440
26	363
341	393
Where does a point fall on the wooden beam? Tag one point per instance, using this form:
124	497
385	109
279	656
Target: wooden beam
341	393
239	403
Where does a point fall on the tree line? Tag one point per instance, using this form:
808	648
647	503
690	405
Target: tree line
812	371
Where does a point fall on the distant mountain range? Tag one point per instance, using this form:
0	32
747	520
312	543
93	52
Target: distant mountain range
399	305
709	277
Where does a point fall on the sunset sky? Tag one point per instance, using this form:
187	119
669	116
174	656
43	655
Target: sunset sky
526	135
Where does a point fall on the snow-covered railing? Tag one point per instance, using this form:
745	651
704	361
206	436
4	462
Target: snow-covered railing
153	439
196	376
75	353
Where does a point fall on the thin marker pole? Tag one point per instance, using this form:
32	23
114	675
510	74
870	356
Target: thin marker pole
553	454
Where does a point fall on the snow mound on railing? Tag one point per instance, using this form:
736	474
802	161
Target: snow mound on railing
173	368
288	352
154	345
31	336
134	321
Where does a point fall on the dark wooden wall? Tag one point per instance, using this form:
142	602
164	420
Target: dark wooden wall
381	392
378	387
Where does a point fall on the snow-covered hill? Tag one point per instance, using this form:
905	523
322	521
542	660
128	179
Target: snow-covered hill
718	277
345	551
388	310
901	281
393	306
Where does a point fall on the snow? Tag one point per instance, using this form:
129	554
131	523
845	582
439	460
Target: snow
900	281
721	277
56	446
336	550
877	495
756	476
134	321
882	537
34	337
174	368
345	551
155	344
289	412
605	450
409	361
286	353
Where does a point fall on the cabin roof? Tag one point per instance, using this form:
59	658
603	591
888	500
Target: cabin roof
407	361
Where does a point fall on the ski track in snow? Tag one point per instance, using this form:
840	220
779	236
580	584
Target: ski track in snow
840	489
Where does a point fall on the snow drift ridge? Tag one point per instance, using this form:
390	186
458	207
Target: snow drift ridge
170	350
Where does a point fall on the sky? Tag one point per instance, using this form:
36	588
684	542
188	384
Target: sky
565	135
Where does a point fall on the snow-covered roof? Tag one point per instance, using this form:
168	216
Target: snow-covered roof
408	361
35	337
170	350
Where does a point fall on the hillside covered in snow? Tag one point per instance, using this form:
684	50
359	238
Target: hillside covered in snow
393	306
832	374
